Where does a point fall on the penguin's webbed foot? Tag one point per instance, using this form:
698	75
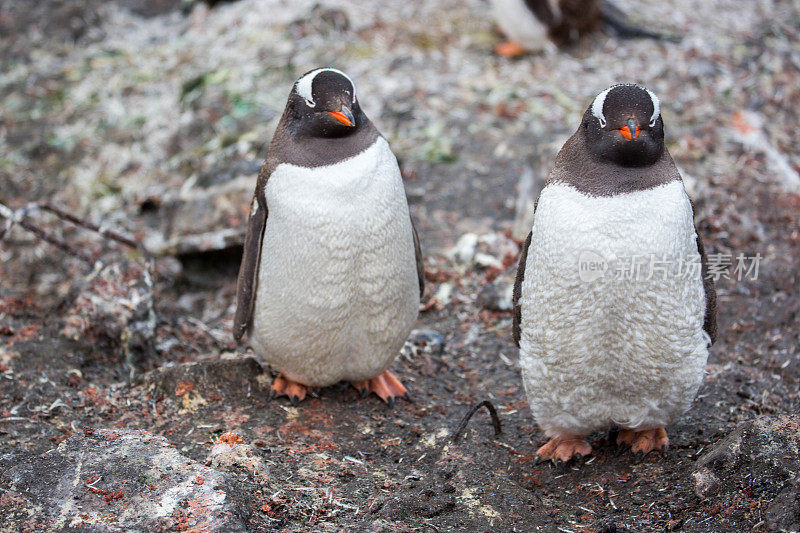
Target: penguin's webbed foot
510	49
385	385
282	386
562	449
644	442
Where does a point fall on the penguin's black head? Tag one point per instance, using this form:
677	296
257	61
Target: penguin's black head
323	104
623	125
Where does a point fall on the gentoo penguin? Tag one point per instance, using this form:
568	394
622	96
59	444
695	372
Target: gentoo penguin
613	308
530	24
331	277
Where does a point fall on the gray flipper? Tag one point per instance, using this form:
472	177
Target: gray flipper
418	256
523	259
247	281
710	320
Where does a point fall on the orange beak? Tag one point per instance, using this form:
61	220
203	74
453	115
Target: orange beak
631	131
344	115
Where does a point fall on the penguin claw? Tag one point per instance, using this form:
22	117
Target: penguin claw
625	437
562	450
361	388
643	442
385	385
281	386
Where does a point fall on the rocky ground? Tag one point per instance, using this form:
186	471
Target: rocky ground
125	405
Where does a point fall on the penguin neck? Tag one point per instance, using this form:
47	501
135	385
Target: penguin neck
308	151
576	167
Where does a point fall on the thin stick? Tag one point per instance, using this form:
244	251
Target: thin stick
108	233
19	218
492	412
11	219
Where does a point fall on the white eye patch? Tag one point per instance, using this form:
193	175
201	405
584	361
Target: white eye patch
303	86
600	100
597	106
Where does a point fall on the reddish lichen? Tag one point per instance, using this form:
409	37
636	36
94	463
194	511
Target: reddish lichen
183	388
116	495
230	438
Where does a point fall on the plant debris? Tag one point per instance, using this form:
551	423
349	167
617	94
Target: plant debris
464	421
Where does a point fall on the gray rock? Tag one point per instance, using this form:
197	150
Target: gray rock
464	250
228	378
496	296
481	252
232	454
761	455
117	480
783	514
486	260
429	341
705	482
320	20
200	219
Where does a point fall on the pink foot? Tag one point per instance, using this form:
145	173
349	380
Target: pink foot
644	442
562	449
386	385
283	386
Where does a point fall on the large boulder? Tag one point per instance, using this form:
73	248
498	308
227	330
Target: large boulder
236	378
757	464
117	480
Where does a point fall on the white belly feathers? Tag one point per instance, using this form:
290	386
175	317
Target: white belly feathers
337	287
611	350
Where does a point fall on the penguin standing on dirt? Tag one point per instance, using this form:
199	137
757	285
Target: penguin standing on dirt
530	24
613	310
331	277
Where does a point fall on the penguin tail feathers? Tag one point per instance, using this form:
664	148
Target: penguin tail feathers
615	18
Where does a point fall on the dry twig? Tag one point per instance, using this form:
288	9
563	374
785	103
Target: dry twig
20	217
105	232
492	412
